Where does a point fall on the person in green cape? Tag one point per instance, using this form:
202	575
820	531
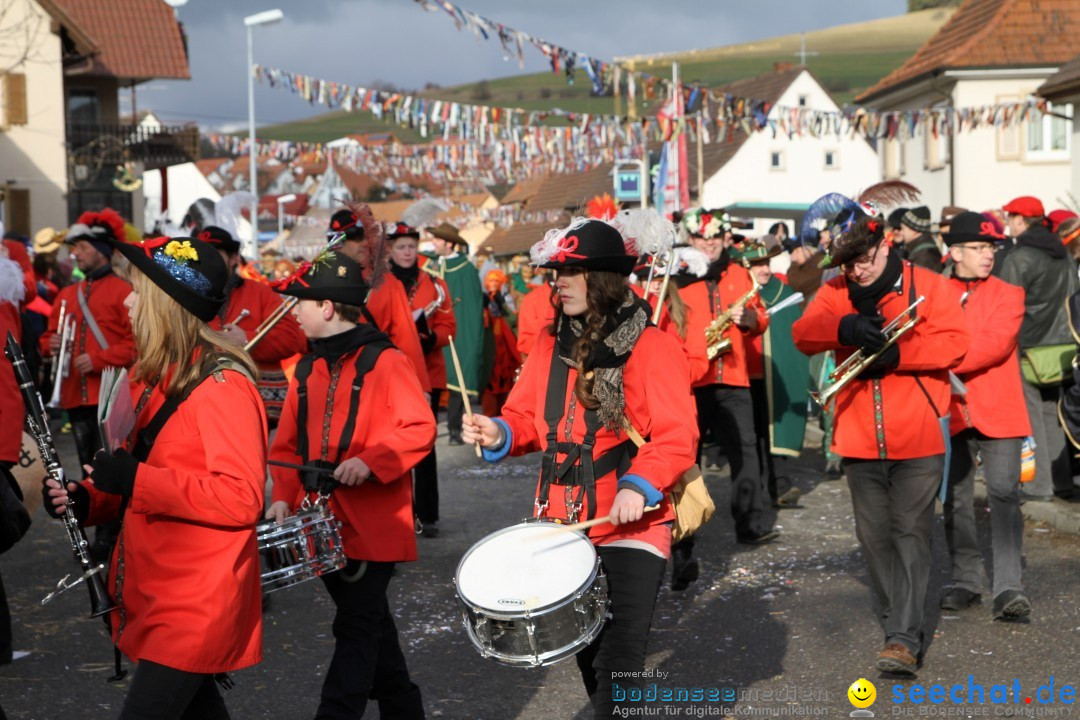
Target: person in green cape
779	373
451	263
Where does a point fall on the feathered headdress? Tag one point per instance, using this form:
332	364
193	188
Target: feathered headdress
689	261
423	213
227	211
822	215
602	207
373	254
889	194
588	243
12	287
651	232
107	218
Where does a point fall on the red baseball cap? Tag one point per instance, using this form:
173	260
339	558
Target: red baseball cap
1056	217
1026	205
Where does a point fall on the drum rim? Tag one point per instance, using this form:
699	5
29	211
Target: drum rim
540	610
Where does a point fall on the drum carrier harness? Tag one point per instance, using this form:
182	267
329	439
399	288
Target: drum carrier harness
570	473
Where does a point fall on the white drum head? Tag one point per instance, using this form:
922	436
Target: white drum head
525	567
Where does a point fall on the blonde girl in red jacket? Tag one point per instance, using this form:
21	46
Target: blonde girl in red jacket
605	361
185	570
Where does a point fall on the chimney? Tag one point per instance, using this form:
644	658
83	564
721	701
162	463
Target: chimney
781	66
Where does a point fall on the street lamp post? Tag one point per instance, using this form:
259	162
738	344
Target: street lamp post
282	199
264	18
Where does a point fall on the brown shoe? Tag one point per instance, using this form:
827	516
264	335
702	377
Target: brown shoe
897	659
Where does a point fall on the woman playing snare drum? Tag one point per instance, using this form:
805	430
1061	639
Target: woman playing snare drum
185	570
602	361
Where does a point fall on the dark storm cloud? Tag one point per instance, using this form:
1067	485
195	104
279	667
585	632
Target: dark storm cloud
364	41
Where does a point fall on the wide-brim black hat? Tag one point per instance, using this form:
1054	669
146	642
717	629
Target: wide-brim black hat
591	245
399	230
189	270
971	227
348	222
220	238
332	276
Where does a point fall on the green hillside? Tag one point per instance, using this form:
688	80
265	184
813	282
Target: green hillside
849	59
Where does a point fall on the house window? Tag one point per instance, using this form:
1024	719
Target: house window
14	99
832	159
802	101
776	160
893	151
935	149
83	107
1048	133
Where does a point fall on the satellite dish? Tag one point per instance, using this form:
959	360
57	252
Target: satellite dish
176	3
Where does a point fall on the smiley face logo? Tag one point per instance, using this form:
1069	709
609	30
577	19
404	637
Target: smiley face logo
861	693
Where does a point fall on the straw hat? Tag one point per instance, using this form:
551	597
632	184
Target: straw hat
47	240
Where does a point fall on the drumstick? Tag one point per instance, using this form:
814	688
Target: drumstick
461	386
583	525
243	314
305	468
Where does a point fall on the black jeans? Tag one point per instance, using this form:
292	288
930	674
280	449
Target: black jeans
367	662
164	693
426	478
455	411
766	463
729	411
633	577
893	502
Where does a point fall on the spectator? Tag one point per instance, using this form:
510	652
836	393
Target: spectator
915	242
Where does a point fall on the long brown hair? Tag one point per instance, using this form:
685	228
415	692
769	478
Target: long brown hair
167	335
676	309
605	292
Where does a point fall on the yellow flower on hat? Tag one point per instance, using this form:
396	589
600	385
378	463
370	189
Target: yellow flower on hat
181	251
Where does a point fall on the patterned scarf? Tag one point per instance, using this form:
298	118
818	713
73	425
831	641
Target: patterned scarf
621	333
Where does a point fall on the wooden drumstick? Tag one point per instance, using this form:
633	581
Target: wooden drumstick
583	525
464	392
243	314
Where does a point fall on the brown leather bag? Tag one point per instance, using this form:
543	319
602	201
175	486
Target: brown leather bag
690	498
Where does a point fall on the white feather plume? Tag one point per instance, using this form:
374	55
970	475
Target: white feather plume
12	289
423	213
227	210
651	232
541	252
695	261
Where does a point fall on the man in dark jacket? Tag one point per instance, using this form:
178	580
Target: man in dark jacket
1039	263
918	244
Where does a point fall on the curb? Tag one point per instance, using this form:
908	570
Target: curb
1058	514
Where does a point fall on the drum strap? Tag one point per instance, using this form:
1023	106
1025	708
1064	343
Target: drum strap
365	362
578	469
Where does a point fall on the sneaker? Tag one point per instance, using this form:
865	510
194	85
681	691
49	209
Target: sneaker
895	658
1011	606
834	470
455	439
789	499
431	530
684	570
959	598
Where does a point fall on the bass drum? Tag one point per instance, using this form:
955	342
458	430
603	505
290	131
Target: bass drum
28	473
532	594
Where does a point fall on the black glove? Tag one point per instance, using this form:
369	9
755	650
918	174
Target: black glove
863	331
115	472
886	362
80	499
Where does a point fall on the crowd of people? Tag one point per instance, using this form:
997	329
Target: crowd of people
626	350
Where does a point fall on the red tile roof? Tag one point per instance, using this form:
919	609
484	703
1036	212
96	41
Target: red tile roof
518	238
1065	83
135	39
990	34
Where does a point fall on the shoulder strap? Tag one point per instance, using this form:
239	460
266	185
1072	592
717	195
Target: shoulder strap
365	362
88	316
303	370
914	313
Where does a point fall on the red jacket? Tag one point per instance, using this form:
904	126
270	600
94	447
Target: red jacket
891	418
535	314
441	322
12	411
17	252
693	344
283	341
105	298
390	307
191	576
655	383
394	431
707	300
994	404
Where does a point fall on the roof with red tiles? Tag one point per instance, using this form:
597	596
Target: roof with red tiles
992	34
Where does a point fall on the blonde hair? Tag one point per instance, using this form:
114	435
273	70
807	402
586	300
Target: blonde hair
676	309
167	335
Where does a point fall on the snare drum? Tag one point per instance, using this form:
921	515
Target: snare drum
532	594
303	547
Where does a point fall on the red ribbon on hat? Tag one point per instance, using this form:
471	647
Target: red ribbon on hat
873	226
149	245
285	282
206	237
565	249
987	228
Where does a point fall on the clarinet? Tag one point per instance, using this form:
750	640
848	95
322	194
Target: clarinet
100	602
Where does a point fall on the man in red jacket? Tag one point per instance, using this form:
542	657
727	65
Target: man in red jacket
369	424
724	406
281	342
102	328
889	419
990	419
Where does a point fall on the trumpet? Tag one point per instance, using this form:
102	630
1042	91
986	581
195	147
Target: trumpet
60	327
432	306
858	361
63	359
714	334
270	322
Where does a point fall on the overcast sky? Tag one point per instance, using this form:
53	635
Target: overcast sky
364	41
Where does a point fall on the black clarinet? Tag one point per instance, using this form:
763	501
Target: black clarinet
100	602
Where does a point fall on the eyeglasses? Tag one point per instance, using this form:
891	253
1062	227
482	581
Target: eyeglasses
985	248
862	262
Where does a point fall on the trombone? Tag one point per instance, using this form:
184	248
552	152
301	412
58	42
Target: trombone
62	361
271	320
858	361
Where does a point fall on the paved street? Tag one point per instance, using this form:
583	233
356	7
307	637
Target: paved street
788	626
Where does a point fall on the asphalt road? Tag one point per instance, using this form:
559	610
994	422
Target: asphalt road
784	629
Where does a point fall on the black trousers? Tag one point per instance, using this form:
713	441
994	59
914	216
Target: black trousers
893	502
426	477
368	662
5	612
729	412
633	577
455	411
766	462
164	693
